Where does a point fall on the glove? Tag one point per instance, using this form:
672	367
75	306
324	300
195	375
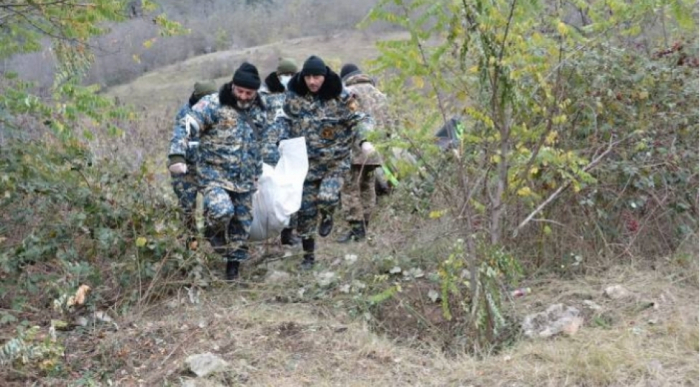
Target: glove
178	169
367	148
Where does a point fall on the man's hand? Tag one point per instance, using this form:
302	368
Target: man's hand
178	169
367	148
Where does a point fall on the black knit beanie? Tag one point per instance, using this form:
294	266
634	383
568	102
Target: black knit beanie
348	69
314	66
247	76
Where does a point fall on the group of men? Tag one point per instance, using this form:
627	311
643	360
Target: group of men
222	137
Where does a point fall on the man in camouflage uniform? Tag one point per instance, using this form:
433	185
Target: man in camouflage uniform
232	126
358	195
275	84
274	89
185	185
318	109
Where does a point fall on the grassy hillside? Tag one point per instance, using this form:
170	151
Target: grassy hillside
170	86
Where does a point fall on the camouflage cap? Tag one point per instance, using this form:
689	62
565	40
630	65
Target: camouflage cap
287	66
203	88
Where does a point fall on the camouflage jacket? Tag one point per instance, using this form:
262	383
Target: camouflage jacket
329	122
275	105
274	93
374	103
272	135
230	139
192	139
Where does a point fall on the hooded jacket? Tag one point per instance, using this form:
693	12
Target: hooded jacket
229	153
375	104
329	121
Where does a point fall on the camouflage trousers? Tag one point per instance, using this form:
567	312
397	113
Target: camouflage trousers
319	196
358	194
228	216
293	222
185	188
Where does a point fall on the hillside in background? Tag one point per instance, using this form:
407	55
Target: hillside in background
133	47
168	87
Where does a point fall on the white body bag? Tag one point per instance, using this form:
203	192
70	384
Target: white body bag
279	190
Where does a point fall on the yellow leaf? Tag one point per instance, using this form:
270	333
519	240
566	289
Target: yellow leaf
643	95
547	230
136	58
562	28
534	170
436	214
551	137
524	191
47	364
141	241
59	324
418	82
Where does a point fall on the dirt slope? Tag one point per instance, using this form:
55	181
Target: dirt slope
270	342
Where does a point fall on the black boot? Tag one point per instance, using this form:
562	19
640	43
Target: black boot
288	238
233	261
309	246
356	233
232	270
326	224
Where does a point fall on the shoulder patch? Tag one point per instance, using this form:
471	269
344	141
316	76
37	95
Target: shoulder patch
351	103
203	103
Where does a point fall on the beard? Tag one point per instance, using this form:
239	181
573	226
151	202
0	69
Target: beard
244	104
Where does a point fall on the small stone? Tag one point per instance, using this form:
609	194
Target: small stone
82	321
655	366
592	305
172	304
571	326
616	292
553	321
276	276
205	364
350	258
325	278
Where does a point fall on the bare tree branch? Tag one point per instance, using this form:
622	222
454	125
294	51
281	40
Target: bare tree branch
561	189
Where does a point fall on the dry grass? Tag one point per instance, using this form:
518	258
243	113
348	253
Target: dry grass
270	343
